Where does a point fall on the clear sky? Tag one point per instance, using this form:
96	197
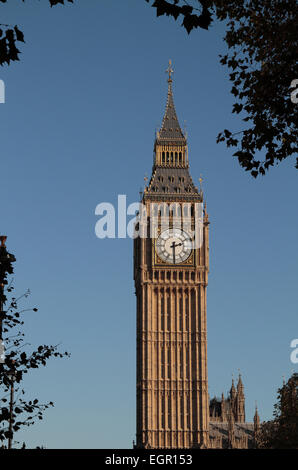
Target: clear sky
77	129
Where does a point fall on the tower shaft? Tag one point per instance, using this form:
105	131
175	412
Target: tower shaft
172	378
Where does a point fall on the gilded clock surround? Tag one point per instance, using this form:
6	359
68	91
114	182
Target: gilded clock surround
158	261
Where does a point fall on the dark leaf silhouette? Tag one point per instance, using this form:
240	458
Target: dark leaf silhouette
17	362
183	9
19	34
282	431
263	50
9	37
262	56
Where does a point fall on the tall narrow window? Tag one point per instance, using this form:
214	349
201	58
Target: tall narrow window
187	363
168	313
162	313
169	364
162	363
181	363
163	425
181	412
169	412
180	313
187	415
186	313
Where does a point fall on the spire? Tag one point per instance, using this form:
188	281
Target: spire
240	402
233	390
170	131
256	427
256	418
223	408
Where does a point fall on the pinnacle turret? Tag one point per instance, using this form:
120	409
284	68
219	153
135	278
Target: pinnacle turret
240	387
256	418
233	390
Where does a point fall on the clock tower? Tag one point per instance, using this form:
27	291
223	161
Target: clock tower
171	264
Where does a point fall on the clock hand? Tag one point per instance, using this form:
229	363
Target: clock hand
173	246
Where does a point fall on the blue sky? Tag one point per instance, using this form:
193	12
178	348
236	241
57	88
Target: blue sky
77	129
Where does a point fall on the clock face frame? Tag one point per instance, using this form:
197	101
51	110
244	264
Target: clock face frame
174	246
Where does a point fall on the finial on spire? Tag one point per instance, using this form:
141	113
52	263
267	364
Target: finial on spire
240	384
232	390
170	71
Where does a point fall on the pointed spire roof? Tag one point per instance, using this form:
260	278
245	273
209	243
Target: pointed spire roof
170	130
256	420
233	390
240	386
256	416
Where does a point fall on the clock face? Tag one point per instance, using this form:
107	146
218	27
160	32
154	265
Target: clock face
173	246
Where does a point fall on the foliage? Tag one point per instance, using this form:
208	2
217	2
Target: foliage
282	431
9	36
191	19
18	359
262	42
263	49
